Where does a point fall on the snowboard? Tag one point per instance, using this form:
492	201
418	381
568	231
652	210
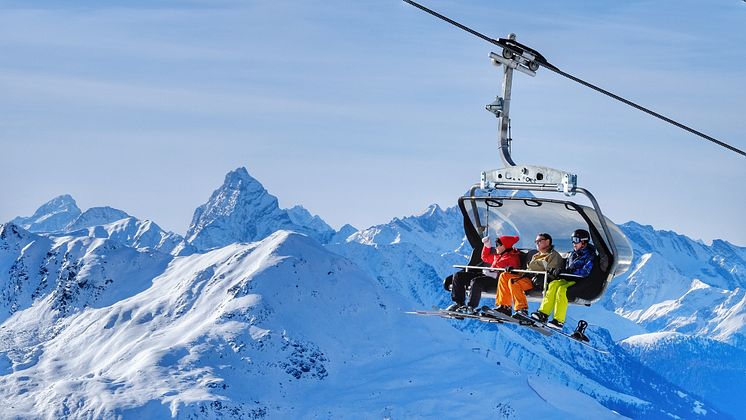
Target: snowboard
534	324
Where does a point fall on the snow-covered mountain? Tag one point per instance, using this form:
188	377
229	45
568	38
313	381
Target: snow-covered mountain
706	367
66	274
343	234
435	229
285	318
267	329
241	210
62	217
96	216
311	224
139	234
677	284
52	216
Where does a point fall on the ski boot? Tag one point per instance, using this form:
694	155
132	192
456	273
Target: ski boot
468	310
556	325
540	317
505	310
521	313
454	307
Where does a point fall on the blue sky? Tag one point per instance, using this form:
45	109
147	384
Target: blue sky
362	111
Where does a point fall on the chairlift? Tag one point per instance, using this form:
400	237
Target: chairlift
490	208
513	200
525	200
493	210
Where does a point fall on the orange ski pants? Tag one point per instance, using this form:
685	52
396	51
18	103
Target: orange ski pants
511	286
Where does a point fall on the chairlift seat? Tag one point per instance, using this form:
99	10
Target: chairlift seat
526	216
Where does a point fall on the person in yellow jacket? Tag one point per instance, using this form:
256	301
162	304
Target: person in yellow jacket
513	286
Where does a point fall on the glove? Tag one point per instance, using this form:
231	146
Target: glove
509	269
553	273
486	241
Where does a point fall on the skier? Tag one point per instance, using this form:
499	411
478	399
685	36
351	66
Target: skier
579	263
503	256
513	285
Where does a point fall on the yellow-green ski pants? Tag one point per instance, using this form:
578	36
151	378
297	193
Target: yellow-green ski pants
556	299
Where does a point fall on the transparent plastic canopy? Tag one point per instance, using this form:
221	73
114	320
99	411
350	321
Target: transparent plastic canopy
527	217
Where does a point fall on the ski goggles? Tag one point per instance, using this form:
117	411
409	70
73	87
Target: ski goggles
577	240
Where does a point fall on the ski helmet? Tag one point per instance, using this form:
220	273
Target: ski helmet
582	234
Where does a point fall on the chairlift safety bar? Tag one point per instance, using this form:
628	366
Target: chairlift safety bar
476	267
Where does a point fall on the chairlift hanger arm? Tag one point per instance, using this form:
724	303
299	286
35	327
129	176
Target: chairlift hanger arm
519	49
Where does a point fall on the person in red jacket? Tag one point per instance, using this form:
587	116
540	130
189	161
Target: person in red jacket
504	255
512	287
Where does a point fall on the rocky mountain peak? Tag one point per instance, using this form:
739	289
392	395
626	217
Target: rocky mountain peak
51	216
239	176
242	210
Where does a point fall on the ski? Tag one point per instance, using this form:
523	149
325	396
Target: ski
456	315
534	324
486	314
501	316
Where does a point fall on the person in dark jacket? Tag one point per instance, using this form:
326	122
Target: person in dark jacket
503	256
579	263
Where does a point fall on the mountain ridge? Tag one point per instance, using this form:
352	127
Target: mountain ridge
235	316
81	287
